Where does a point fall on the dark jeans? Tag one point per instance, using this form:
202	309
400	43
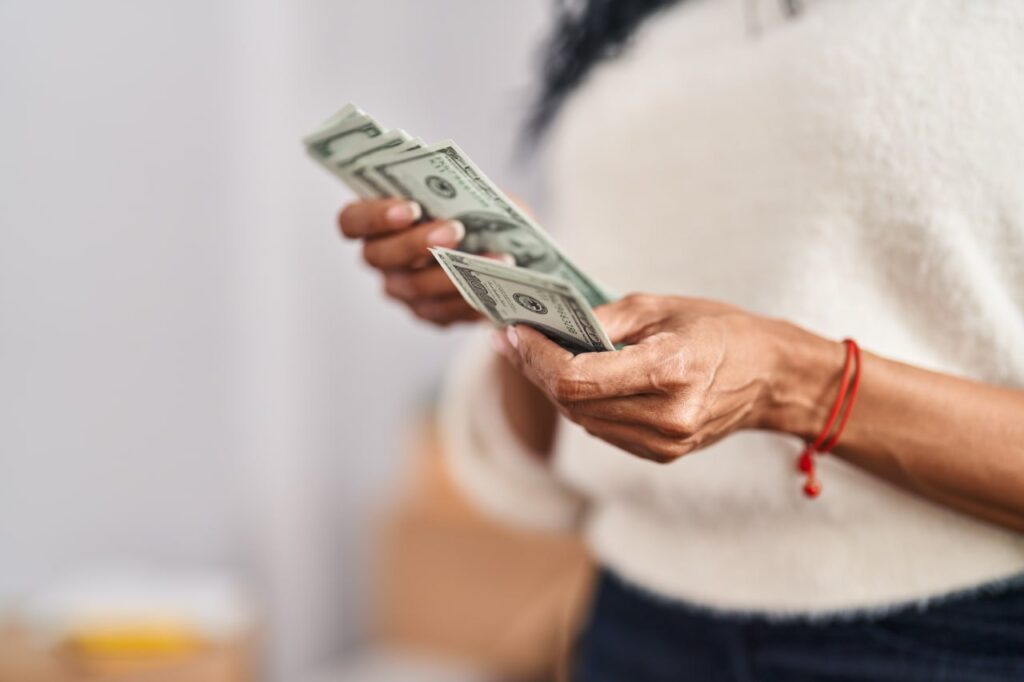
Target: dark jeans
635	637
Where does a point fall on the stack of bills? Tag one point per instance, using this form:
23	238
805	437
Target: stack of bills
543	289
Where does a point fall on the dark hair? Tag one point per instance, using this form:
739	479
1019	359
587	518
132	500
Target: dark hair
587	32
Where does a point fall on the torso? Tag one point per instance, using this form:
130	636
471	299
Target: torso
858	170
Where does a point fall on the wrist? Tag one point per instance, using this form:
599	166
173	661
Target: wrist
803	382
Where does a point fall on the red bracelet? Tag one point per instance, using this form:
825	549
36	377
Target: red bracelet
849	385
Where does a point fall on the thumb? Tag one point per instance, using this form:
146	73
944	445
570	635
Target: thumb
628	319
535	355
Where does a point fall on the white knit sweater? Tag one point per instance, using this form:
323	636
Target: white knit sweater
859	171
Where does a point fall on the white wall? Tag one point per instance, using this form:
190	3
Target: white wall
193	369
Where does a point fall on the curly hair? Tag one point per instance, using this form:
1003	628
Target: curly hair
587	32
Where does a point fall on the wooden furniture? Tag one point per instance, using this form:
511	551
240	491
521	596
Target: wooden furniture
453	582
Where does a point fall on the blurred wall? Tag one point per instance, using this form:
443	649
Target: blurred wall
194	370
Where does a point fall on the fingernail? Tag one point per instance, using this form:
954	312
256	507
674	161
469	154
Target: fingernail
507	258
513	338
401	214
451	232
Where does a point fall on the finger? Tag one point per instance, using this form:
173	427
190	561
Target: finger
542	361
629	319
414	285
409	247
586	376
444	311
500	343
678	419
646	409
377	216
638	440
687	427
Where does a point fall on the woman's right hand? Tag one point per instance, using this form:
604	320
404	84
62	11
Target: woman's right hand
396	245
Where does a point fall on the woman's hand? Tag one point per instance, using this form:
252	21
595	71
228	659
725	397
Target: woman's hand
700	370
396	244
694	371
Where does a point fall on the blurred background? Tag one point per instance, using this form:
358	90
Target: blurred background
207	411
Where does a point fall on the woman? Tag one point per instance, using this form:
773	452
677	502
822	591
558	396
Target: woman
846	168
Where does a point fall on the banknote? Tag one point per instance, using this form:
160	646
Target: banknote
346	138
351	125
510	295
363	183
347	111
447	184
344	161
376	162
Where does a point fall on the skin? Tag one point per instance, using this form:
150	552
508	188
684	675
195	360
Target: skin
695	371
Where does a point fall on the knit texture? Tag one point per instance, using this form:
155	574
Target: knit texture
858	171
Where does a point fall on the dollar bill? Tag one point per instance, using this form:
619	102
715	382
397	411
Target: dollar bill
345	161
510	295
347	137
347	111
379	163
351	125
447	184
359	178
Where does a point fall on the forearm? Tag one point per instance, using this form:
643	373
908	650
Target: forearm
529	413
957	441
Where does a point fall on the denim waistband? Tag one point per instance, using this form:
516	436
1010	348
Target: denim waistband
1009	587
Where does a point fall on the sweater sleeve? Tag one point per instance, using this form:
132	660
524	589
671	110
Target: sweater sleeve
486	458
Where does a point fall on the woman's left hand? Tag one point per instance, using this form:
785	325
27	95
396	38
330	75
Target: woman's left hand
694	371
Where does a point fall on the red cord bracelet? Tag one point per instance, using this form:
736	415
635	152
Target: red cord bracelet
848	388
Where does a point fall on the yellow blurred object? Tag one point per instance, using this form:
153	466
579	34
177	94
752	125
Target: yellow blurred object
134	623
23	659
149	639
